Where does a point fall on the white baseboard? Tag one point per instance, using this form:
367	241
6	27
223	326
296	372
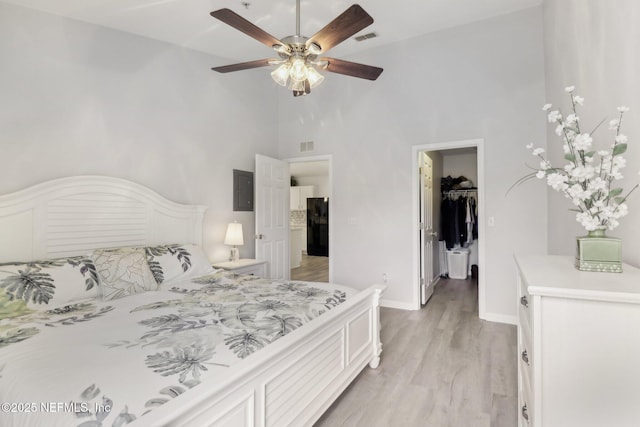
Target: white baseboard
396	304
500	318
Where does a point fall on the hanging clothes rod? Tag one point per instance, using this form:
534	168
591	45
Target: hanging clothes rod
475	190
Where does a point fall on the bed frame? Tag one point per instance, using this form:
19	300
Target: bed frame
290	382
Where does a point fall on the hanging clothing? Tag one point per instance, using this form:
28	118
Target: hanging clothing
474	213
469	221
458	220
447	222
460	215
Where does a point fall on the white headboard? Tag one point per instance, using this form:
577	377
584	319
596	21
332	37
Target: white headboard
72	216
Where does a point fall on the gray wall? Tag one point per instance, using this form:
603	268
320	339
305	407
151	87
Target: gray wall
593	44
80	99
484	80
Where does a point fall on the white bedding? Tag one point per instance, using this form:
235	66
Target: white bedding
67	366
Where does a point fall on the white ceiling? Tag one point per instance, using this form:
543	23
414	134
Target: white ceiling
187	23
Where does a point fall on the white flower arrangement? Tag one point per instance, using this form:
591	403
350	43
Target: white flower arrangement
589	179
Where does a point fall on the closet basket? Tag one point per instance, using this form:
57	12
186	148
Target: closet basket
458	261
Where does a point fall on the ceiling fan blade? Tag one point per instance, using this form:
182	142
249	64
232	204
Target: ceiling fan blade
242	66
231	18
344	26
352	69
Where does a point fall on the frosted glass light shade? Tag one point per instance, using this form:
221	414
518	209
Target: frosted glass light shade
234	234
297	76
281	74
315	78
296	85
298	70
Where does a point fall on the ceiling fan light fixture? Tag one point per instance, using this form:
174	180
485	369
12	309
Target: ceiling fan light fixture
296	86
314	48
300	88
298	71
280	48
281	74
323	63
314	77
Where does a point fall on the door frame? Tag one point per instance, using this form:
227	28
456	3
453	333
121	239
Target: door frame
437	146
328	158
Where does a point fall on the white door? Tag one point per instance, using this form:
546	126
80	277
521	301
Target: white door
272	215
427	234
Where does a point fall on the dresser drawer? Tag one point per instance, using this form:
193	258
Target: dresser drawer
525	349
524	301
525	409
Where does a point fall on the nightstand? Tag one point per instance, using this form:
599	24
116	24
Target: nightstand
244	266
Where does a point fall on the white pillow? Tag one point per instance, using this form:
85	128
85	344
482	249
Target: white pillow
123	272
172	263
42	285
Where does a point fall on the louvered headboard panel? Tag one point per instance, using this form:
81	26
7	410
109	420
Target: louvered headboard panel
72	216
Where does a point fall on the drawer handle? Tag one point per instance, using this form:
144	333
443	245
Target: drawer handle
525	357
525	412
524	301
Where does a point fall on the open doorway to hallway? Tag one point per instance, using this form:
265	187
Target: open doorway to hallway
310	219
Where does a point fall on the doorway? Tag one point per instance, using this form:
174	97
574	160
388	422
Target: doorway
430	259
310	219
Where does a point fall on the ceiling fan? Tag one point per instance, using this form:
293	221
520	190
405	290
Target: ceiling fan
299	56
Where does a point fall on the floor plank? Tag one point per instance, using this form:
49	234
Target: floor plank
312	269
441	366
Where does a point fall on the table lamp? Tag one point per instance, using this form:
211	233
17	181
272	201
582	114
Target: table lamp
234	238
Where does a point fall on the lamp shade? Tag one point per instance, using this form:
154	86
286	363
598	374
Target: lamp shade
234	234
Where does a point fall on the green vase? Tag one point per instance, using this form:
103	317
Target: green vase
597	252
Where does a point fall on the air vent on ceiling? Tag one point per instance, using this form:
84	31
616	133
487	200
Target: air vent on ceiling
366	37
306	146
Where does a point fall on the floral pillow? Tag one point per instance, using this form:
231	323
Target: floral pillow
42	285
123	272
170	263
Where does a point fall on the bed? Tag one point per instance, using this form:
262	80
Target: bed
206	347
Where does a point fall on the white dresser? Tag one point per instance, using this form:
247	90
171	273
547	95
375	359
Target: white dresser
578	345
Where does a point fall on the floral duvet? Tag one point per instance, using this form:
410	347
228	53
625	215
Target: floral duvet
107	363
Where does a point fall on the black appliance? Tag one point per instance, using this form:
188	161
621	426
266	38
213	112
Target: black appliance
318	226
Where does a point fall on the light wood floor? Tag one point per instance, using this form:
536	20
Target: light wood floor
312	269
441	366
